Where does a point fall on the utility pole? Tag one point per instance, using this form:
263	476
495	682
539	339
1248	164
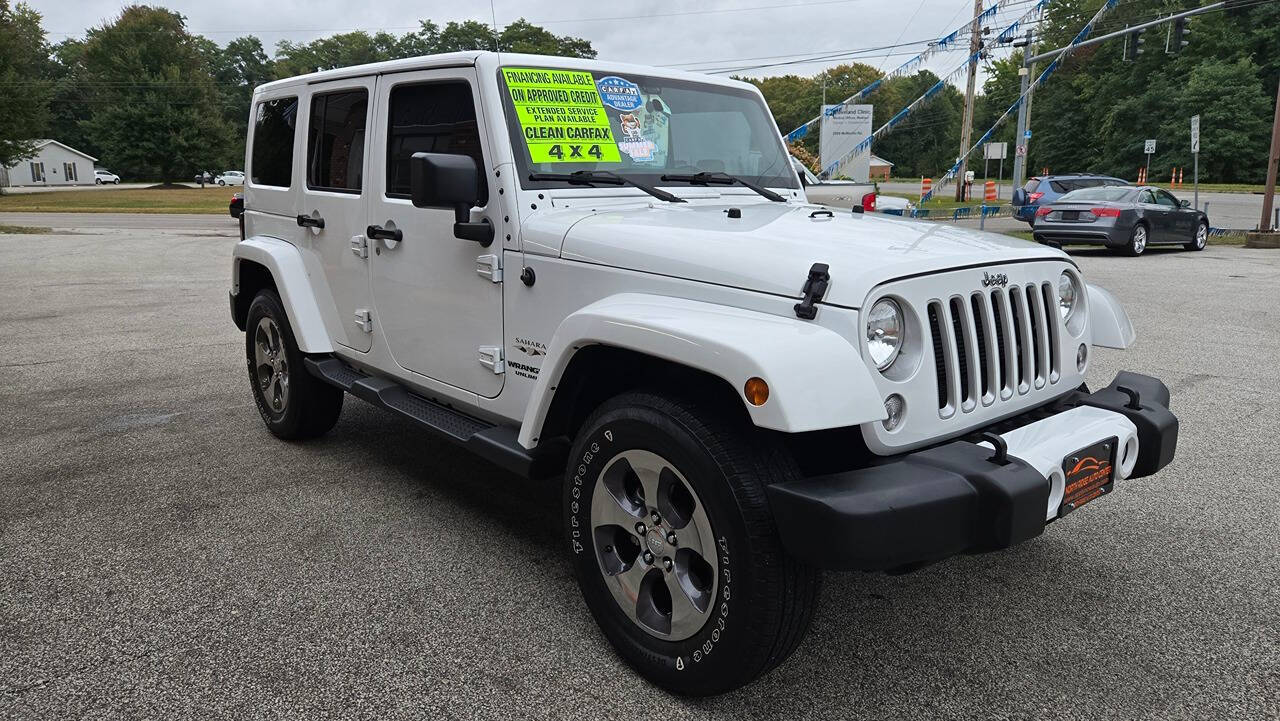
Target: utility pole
966	126
1269	194
1020	140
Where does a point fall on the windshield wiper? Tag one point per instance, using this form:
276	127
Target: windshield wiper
597	177
717	178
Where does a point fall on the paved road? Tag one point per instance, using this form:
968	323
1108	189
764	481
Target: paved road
81	222
162	556
1237	211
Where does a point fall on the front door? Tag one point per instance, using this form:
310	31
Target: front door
1157	217
439	317
334	192
1181	220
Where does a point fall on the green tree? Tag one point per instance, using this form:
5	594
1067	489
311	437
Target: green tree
69	105
155	108
522	36
24	87
237	69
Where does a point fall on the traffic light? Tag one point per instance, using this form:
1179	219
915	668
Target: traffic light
1178	40
1133	44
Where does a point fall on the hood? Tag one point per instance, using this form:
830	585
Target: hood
772	246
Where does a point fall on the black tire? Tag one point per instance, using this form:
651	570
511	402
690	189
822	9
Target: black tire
1201	238
728	464
308	407
222	182
1137	243
97	181
116	181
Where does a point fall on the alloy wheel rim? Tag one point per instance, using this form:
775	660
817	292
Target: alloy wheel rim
1139	238
654	546
1202	235
271	365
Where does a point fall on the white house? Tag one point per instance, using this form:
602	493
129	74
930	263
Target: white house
53	164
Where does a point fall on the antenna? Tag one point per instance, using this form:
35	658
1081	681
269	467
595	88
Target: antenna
493	14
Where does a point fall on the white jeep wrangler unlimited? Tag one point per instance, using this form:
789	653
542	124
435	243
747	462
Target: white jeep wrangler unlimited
611	273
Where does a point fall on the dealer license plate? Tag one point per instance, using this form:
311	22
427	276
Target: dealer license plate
1089	472
1071	215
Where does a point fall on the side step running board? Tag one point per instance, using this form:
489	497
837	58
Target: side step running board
495	443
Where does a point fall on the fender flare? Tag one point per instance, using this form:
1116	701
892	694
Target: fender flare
1109	321
816	378
284	262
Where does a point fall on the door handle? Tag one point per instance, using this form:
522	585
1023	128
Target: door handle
380	233
306	221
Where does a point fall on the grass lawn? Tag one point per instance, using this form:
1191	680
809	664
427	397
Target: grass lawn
134	200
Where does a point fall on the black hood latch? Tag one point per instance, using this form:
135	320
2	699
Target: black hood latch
814	288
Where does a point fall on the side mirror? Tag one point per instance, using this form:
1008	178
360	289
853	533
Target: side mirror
451	181
1184	203
1019	197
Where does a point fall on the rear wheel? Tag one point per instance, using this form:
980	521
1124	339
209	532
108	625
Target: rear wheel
674	546
1201	239
1138	238
97	181
294	404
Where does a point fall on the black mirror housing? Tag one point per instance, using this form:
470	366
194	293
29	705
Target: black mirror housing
449	180
443	180
1184	203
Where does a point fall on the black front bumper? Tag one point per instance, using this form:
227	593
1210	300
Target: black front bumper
953	498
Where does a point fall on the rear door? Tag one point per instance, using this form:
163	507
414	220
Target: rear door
440	317
334	193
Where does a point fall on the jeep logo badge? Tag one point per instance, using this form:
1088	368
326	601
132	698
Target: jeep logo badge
999	279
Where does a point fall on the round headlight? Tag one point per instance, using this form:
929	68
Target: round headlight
1068	295
884	332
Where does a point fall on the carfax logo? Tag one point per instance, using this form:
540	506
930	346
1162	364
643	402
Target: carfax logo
619	94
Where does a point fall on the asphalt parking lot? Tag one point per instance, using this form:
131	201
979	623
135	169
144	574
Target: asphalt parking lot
161	555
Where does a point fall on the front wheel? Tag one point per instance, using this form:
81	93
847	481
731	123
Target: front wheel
222	182
1201	239
674	546
294	404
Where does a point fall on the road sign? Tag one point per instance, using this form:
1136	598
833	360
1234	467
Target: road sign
1021	151
1149	146
995	151
1195	133
1027	135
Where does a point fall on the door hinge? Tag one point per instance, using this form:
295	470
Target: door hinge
489	266
491	358
364	319
360	246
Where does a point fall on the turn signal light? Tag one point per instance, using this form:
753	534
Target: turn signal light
756	391
1106	212
1043	211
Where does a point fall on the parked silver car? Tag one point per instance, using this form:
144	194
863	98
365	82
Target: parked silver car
1125	219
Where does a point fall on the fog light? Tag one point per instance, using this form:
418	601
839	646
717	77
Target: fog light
896	408
1082	357
756	391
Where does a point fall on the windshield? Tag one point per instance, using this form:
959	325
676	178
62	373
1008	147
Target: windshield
638	126
1113	194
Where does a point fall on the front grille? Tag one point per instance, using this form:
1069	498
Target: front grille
994	345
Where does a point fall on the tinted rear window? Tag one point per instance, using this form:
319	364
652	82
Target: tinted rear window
1067	185
273	125
1113	194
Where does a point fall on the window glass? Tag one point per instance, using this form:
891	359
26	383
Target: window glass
1066	186
273	126
638	126
335	147
1114	194
1145	197
1031	185
430	118
1164	198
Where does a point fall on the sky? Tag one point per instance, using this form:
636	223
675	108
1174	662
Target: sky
708	35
